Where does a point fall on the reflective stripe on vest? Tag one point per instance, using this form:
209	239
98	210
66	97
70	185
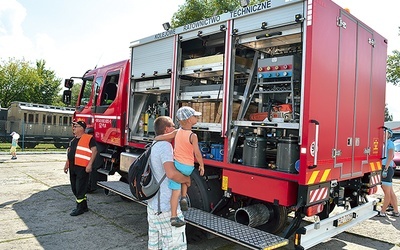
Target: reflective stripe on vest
83	151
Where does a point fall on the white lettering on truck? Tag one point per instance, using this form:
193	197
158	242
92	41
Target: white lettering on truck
251	9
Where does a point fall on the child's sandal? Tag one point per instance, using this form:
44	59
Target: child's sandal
177	222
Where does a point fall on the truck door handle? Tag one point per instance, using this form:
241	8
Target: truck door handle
200	70
154	88
200	96
278	33
316	143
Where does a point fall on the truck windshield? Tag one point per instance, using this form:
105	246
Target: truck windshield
86	91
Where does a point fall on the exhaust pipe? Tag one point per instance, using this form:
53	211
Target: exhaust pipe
252	216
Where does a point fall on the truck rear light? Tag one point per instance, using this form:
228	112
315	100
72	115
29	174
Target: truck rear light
371	190
314	209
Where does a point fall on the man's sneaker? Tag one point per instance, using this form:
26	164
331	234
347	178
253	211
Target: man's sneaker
177	222
389	208
184	204
13	158
380	214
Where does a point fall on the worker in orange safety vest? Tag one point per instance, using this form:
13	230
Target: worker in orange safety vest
81	154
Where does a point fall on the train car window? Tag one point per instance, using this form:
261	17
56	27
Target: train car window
25	120
44	119
37	118
60	120
65	121
70	120
49	120
30	118
54	120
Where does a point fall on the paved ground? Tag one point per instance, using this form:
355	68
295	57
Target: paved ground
35	202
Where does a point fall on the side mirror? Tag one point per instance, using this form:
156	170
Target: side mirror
68	83
67	97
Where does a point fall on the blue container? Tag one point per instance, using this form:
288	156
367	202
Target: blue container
217	152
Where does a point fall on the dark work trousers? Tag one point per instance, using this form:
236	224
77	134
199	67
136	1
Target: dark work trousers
79	182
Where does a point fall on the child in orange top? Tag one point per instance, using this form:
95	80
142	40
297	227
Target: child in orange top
186	147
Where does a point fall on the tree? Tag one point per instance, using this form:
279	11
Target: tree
393	68
47	88
388	117
20	81
189	11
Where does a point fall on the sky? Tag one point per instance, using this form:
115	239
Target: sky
73	36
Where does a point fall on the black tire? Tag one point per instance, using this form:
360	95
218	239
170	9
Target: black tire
206	194
277	220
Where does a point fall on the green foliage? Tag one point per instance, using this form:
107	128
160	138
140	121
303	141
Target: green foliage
393	68
5	147
22	81
75	93
388	117
195	10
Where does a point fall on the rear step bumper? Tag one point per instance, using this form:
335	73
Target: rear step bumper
225	228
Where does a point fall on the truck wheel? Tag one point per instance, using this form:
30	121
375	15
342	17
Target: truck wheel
277	220
204	195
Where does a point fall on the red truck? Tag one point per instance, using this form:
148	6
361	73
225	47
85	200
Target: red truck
292	95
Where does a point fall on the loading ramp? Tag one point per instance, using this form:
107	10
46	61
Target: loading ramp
249	237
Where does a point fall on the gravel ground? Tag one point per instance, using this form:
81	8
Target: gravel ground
36	199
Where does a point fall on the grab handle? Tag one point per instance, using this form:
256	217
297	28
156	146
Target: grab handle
316	143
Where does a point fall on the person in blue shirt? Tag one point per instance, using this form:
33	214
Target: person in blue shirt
387	186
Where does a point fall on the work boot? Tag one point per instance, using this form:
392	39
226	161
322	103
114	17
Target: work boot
85	206
78	211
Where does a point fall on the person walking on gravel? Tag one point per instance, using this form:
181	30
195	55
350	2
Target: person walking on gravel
387	176
14	143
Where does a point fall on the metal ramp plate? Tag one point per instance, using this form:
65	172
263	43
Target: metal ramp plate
225	228
120	188
228	229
